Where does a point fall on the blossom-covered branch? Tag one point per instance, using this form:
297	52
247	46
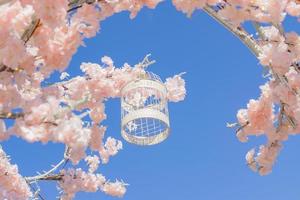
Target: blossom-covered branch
275	113
41	37
237	31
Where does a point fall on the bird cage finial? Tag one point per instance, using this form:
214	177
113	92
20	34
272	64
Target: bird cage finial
145	62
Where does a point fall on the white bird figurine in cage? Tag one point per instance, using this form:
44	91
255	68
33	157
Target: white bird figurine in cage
144	105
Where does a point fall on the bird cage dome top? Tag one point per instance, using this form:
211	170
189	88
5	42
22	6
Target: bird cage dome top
144	105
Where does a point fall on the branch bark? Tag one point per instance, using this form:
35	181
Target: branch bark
49	174
53	177
11	115
241	34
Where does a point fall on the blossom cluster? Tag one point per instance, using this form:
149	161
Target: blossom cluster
50	116
78	180
276	113
41	37
12	184
239	11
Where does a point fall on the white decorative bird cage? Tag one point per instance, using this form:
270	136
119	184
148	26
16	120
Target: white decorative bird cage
145	116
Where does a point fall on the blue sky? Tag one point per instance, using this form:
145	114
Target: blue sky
202	159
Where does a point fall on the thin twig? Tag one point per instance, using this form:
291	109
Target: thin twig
36	192
49	174
74	5
29	32
242	127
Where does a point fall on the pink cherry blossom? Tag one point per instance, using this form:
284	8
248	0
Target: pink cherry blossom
114	189
87	20
293	8
111	148
188	6
12	184
175	88
251	159
97	113
97	134
76	180
107	60
45	11
12	52
93	163
49	111
3	134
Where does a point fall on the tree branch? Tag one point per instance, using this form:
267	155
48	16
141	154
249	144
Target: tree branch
31	29
254	48
241	34
53	177
25	38
78	4
34	25
49	174
11	115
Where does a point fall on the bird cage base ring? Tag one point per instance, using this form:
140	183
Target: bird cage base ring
150	114
142	140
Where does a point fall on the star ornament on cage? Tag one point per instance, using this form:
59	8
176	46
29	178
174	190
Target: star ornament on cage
144	110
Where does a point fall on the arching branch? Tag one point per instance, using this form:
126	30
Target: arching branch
238	32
